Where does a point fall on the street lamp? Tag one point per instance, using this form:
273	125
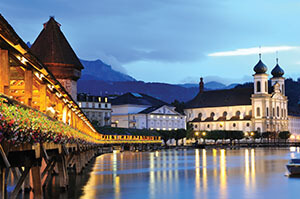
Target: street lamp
196	133
252	133
203	133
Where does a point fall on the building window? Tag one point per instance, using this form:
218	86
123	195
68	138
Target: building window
258	130
258	86
273	112
208	126
200	115
224	114
238	113
282	113
250	113
248	124
234	124
212	114
258	112
196	126
267	112
277	111
266	86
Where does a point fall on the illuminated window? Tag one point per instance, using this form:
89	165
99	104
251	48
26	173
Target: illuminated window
151	116
99	99
176	117
164	129
158	129
170	129
105	100
170	117
158	116
151	128
79	104
164	116
175	129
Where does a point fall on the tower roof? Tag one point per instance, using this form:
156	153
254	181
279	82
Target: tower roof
277	70
51	47
260	67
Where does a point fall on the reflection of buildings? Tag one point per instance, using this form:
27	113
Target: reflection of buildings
96	108
137	110
262	108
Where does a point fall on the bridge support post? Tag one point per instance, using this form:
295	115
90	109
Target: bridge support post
37	182
4	72
2	184
62	172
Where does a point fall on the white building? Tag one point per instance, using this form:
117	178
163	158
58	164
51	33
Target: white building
247	109
96	108
136	110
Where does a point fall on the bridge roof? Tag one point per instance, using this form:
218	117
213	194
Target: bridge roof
11	41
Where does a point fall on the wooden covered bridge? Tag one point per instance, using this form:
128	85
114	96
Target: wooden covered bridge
42	129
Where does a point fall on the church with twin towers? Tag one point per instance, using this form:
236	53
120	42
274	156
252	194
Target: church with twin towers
261	108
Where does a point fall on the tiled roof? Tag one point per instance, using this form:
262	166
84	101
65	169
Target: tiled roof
218	98
140	99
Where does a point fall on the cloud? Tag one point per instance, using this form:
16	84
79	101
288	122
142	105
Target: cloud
252	51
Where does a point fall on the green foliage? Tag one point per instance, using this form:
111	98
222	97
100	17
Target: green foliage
284	135
179	106
266	134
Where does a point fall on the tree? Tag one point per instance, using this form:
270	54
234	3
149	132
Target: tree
178	134
266	134
165	135
284	135
179	106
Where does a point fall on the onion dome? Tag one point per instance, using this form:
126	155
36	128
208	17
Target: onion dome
277	71
260	67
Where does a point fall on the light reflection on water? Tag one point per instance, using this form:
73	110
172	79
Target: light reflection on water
199	173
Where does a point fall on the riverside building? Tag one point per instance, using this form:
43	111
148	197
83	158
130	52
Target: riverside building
137	110
262	108
96	108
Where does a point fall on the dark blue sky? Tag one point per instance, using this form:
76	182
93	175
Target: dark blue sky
173	41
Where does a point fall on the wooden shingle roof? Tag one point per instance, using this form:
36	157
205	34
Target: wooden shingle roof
52	47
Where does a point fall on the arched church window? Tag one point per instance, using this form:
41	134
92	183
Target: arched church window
277	111
208	126
258	112
212	114
266	86
267	112
200	115
234	124
238	113
258	86
224	114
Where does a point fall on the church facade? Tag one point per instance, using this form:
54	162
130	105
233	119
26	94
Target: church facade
262	108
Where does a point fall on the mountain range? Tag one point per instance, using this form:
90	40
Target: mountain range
99	78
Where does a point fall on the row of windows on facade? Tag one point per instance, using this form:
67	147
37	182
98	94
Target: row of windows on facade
165	123
164	129
212	114
221	125
170	117
283	112
258	113
94	114
93	105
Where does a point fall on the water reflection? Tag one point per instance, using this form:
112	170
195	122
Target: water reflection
199	173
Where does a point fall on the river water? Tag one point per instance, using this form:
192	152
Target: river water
199	173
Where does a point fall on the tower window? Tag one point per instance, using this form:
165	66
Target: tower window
258	86
273	112
258	112
277	111
266	86
212	114
267	112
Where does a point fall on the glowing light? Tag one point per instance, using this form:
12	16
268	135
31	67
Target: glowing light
246	134
196	133
252	133
204	133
